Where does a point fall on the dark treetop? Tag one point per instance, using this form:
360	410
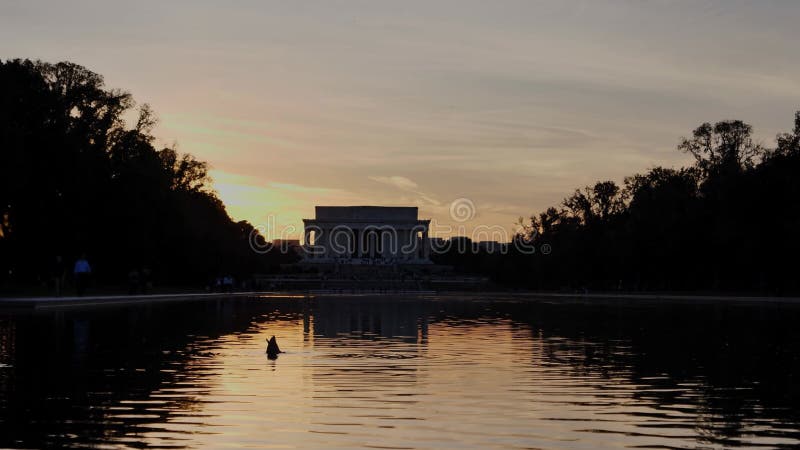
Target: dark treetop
74	179
728	223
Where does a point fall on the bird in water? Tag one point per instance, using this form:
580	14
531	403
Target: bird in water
272	348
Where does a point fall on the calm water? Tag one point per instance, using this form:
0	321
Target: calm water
394	373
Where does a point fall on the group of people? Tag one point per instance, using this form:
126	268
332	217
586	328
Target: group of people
224	284
139	280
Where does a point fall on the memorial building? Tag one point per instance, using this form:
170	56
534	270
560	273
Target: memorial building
376	235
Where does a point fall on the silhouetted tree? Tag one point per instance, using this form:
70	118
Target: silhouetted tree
75	178
725	145
727	223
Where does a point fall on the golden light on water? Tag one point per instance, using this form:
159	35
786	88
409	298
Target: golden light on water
365	371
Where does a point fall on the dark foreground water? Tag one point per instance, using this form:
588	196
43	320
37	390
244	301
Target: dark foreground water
402	373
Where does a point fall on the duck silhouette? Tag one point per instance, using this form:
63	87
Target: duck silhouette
272	348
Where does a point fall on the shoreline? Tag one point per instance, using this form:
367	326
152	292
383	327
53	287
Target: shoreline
44	303
128	300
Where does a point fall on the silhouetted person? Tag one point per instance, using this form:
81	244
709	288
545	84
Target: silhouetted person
227	283
147	280
57	272
134	281
272	348
82	271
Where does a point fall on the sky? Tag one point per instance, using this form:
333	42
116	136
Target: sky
505	105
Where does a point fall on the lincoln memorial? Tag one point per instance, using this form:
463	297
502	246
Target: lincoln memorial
366	235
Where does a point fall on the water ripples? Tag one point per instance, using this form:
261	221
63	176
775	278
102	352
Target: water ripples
410	375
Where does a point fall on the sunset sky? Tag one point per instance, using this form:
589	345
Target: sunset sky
509	104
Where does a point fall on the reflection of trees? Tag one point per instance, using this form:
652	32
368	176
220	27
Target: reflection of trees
732	367
729	367
84	377
724	370
7	347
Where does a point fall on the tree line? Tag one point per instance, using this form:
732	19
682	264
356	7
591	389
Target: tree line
75	178
730	222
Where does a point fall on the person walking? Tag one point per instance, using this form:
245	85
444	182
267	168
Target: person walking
82	272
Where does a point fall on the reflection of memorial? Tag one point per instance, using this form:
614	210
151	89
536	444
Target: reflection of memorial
372	349
403	320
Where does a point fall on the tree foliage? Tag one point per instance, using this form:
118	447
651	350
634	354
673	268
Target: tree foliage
727	223
75	178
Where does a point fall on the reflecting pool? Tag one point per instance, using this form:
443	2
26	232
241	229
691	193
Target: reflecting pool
382	372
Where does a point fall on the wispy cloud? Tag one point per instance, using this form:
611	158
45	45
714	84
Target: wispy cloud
396	181
405	184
